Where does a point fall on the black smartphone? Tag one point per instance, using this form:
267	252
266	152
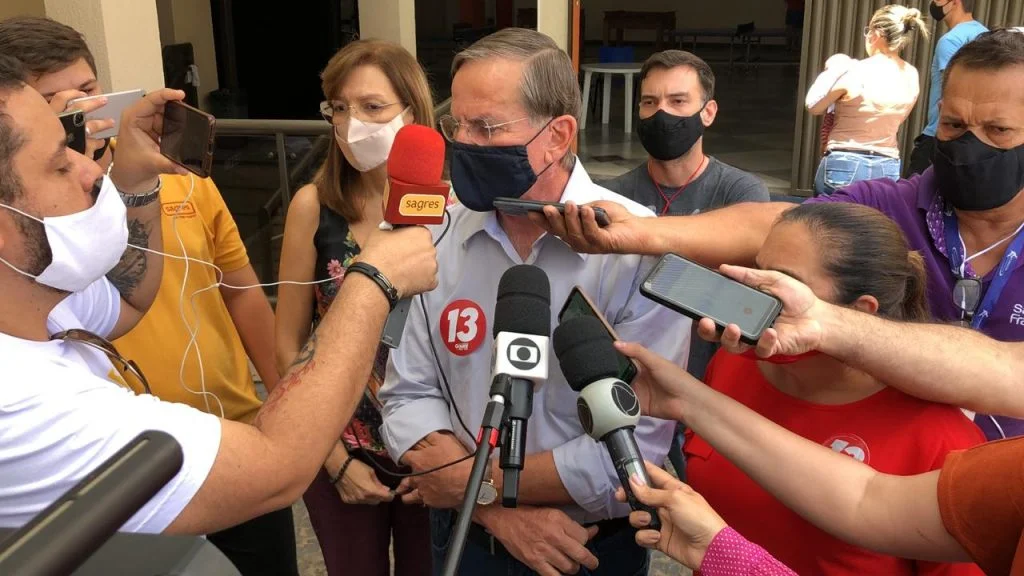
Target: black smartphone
579	304
520	207
74	129
187	138
699	292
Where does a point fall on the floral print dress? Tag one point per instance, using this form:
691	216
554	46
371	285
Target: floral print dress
335	250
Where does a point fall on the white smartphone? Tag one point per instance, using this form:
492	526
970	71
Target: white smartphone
116	104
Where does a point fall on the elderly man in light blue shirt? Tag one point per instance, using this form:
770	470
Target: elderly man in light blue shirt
514	105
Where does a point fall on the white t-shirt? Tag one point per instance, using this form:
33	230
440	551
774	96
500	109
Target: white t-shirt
60	418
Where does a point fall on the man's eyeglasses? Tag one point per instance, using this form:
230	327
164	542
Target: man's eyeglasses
128	369
475	130
967	297
336	112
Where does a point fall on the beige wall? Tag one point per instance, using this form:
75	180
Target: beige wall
10	8
553	20
123	36
689	14
393	20
190	21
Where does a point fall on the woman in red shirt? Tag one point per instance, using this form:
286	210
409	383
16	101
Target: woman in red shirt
855	256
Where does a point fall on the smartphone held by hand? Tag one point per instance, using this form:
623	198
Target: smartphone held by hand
699	292
520	207
187	138
74	128
116	104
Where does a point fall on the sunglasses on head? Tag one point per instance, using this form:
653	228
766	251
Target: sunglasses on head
129	370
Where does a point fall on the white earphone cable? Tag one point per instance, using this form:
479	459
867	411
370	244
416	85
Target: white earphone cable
193	331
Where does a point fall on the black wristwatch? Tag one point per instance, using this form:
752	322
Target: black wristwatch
389	289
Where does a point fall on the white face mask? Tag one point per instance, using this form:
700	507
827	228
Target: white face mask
85	245
368	144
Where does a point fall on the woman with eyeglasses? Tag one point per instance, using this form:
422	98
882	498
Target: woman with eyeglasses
373	88
866	102
852	256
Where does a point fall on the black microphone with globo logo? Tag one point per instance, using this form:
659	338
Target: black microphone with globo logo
522	324
608	408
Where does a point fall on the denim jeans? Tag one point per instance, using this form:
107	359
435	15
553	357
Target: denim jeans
618	554
840	169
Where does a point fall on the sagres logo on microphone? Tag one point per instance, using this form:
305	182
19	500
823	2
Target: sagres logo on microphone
523	353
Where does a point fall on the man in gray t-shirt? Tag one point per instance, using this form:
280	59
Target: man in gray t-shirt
718	185
677	103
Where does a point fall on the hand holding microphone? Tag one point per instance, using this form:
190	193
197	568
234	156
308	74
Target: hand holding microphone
608	409
406	258
414	195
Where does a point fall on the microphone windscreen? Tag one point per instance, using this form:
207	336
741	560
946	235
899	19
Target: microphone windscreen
585	351
417	156
524	302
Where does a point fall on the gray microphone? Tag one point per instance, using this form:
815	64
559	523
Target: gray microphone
607	407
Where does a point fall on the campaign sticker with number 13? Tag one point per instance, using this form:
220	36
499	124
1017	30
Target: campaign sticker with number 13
463	327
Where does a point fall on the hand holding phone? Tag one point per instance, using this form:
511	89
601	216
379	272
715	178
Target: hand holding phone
699	292
103	111
520	207
139	160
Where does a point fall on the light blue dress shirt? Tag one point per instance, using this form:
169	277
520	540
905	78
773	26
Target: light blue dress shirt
471	259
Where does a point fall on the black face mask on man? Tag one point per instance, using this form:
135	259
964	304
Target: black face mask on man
937	12
667	136
482	173
975	176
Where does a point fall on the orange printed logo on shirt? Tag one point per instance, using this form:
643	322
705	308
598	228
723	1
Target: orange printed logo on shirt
183	210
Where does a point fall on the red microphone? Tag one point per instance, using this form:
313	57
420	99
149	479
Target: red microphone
415	193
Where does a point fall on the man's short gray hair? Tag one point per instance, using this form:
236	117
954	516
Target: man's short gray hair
548	87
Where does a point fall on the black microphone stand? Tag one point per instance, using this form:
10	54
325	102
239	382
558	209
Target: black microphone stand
488	439
513	443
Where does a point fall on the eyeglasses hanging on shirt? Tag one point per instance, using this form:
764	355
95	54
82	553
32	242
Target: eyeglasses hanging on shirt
128	369
976	306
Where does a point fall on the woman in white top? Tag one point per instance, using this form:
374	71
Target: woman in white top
870	99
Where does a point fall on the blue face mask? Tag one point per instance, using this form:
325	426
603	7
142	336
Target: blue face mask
482	173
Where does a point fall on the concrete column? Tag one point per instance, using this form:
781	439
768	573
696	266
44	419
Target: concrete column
553	20
124	38
10	8
392	20
191	21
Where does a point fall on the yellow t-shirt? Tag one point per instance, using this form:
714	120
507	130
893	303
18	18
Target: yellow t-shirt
157	344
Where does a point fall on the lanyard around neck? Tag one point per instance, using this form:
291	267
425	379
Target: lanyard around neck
958	259
668	200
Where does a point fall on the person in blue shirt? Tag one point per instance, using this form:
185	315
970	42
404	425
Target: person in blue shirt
957	14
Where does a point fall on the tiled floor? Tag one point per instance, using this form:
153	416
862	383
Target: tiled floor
753	131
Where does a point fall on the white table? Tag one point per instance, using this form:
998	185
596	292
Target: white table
627	70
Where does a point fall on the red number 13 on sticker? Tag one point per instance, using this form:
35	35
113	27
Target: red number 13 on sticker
463	327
